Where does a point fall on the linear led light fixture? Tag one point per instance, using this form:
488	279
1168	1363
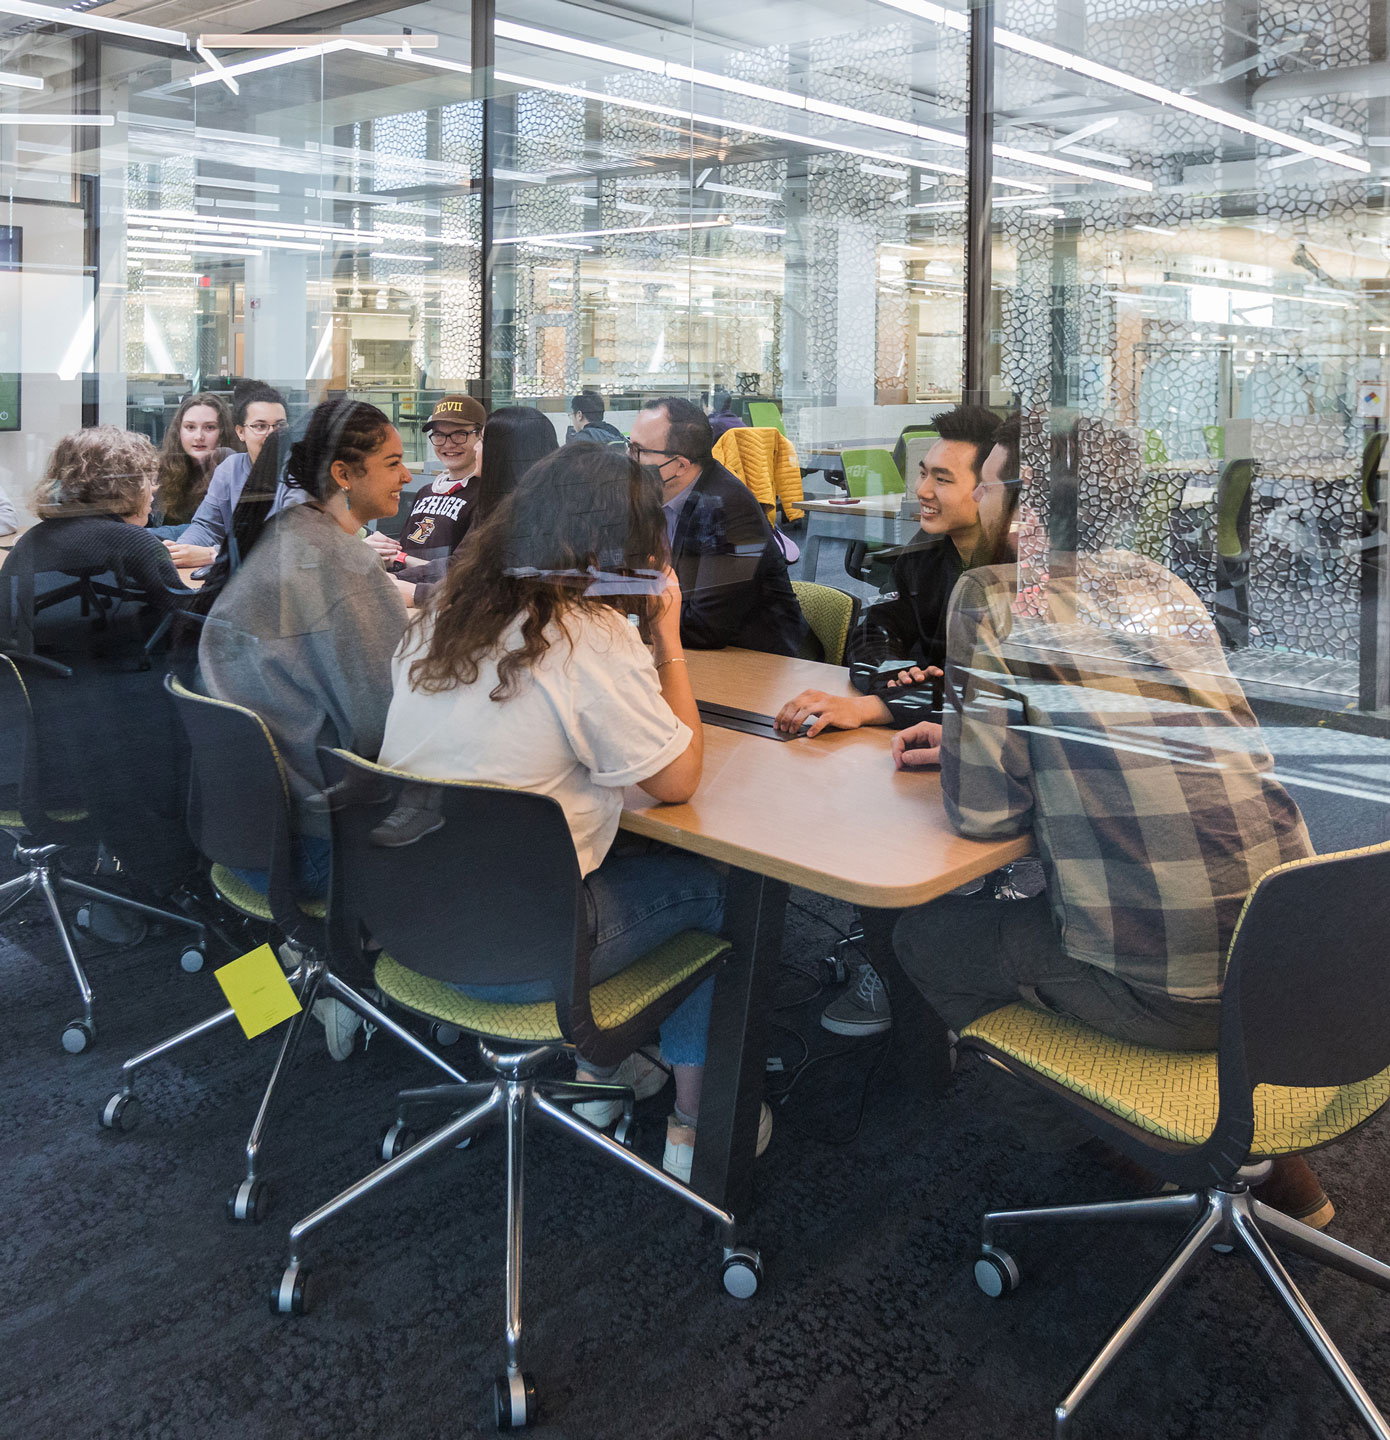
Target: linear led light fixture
720	224
37	117
270	41
284	57
1079	65
20	82
434	61
741	190
564	44
81	21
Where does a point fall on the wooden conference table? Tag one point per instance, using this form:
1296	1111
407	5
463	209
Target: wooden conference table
831	815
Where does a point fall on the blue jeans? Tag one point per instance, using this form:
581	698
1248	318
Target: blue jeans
311	857
643	894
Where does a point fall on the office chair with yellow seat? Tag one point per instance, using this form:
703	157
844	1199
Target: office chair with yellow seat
239	818
831	614
44	827
1304	1058
508	907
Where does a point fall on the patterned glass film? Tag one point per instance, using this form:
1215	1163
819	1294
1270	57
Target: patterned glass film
1194	320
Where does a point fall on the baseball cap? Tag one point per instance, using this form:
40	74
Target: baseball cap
461	409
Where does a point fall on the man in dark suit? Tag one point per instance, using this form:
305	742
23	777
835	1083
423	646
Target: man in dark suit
733	576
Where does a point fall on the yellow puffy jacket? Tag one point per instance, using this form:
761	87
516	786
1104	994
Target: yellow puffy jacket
765	461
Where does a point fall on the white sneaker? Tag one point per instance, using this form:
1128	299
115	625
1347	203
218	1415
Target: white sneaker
642	1075
680	1144
340	1023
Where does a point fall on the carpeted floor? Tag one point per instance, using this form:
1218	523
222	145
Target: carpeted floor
130	1307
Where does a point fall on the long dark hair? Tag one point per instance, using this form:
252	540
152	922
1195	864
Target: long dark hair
514	439
583	529
181	483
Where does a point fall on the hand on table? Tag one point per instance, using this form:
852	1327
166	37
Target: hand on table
384	545
913	676
844	712
917	747
189	557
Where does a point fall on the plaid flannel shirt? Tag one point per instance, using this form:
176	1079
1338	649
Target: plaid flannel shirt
1096	709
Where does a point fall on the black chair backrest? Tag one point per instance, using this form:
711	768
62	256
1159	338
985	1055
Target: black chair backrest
491	897
1307	995
239	799
16	738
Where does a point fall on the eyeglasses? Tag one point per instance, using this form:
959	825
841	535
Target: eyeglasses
264	427
636	451
440	438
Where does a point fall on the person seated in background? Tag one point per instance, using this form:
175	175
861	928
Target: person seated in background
9	515
899	645
1090	705
525	671
442	512
257	412
93	504
734	584
199	438
587	425
304	630
720	409
896	651
513	440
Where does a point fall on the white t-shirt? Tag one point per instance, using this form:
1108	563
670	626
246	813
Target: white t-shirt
587	720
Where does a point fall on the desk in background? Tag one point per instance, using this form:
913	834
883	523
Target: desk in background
873	518
831	815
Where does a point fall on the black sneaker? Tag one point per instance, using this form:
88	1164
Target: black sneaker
405	825
860	1011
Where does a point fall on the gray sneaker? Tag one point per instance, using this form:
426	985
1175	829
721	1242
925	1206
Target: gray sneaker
406	824
861	1011
340	1024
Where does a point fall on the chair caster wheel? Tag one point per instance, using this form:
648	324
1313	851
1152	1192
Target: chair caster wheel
996	1274
291	1295
78	1035
395	1138
625	1132
82	917
249	1201
445	1035
742	1273
121	1112
192	960
514	1401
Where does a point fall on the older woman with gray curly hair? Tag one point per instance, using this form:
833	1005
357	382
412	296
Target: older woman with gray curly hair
92	504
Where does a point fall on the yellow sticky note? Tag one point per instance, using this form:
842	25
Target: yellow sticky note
256	988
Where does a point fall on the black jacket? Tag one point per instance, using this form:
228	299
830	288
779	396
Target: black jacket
734	585
598	432
907	624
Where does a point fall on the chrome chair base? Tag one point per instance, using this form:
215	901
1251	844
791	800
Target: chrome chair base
516	1095
1223	1220
312	980
43	876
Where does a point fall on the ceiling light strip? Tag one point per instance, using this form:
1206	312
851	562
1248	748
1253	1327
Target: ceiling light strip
35	117
20	82
51	16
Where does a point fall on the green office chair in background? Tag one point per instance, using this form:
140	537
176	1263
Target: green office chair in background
507	906
831	614
1231	604
765	414
871	472
1303	1059
1155	452
910	432
1214	437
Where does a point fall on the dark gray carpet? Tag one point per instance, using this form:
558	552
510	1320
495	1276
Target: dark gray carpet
130	1307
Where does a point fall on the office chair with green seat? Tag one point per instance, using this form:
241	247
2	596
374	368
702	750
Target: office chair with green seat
1304	1058
911	432
1371	458
831	614
765	415
44	828
239	818
507	905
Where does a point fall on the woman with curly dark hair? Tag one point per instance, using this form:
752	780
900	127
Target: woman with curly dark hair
198	439
550	660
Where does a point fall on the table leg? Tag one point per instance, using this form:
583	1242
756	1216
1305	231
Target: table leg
736	1057
919	1055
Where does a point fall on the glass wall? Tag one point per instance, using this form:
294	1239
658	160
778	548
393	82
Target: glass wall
1189	270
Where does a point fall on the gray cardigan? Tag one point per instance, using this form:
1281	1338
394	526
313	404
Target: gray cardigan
303	635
